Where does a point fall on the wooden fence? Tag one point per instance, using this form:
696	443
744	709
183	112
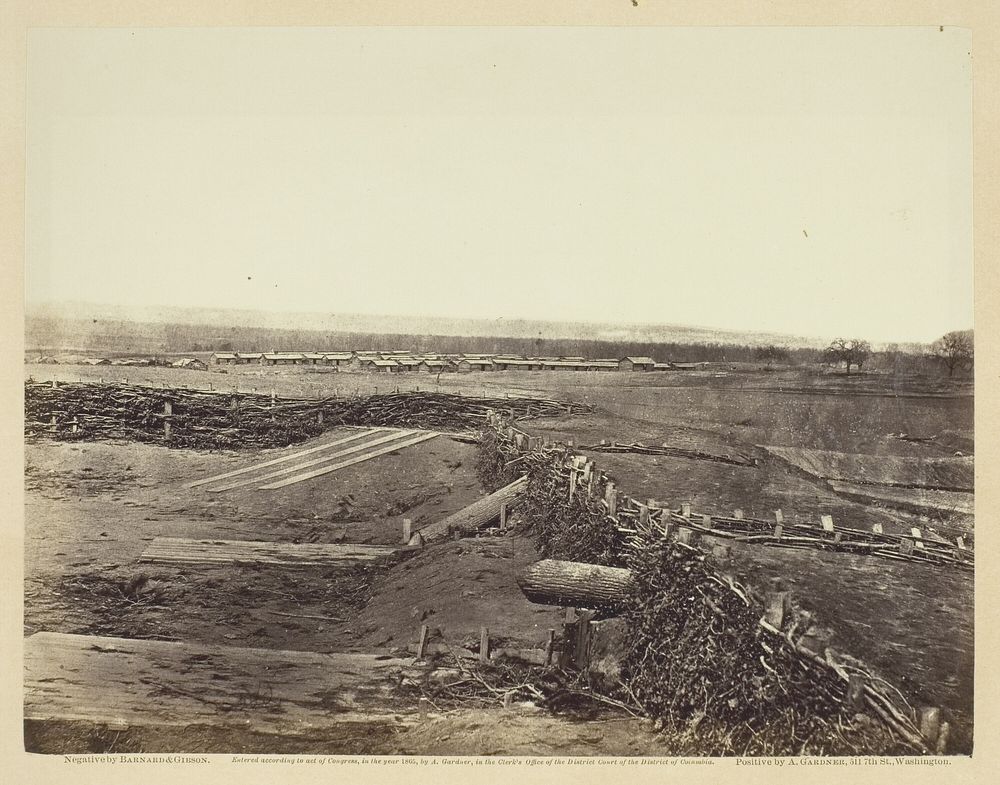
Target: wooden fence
638	521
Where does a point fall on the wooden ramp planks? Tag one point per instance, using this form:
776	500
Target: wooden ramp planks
141	682
392	437
361	433
177	550
422	437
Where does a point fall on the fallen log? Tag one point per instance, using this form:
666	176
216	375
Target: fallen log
477	514
552	582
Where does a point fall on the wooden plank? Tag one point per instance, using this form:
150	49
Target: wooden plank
187	551
155	683
368	456
315	462
284	458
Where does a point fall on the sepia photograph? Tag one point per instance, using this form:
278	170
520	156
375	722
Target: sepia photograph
551	392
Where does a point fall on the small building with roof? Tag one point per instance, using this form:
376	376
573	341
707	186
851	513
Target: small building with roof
636	364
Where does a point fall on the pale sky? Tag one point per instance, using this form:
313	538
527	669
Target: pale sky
809	181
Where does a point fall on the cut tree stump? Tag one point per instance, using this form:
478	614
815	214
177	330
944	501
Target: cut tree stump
170	550
552	582
477	514
120	681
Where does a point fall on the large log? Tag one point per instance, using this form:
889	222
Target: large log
552	582
477	514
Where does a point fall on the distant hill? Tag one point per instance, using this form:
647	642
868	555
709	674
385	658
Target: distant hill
131	329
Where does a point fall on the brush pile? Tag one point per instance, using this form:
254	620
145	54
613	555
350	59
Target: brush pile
698	659
223	420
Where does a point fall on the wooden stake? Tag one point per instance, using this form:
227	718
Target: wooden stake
168	410
550	646
503	516
611	497
484	644
827	521
930	724
706	521
779	517
422	642
876	528
738	514
776	604
581	655
942	740
407	533
856	692
686	509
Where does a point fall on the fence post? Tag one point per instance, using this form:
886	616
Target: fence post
549	646
856	692
503	516
686	509
930	724
168	410
407	526
484	644
611	496
738	514
422	643
776	605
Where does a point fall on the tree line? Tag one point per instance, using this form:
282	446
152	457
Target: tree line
952	353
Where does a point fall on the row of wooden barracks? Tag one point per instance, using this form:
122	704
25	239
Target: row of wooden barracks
399	362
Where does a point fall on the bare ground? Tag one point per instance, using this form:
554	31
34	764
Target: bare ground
92	508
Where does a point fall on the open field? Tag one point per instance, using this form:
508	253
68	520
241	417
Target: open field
94	508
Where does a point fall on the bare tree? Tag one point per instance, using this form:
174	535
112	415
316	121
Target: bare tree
853	351
955	350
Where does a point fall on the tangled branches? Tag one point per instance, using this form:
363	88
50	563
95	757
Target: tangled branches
577	530
221	420
697	658
695	654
